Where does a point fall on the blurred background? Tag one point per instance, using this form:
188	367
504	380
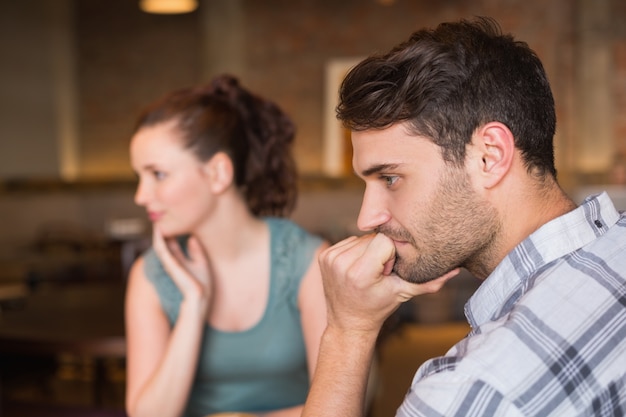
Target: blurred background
73	76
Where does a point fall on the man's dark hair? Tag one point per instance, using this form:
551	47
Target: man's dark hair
448	81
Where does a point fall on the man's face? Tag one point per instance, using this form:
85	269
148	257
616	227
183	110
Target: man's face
427	207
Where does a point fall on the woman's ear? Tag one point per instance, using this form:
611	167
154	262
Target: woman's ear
220	172
495	146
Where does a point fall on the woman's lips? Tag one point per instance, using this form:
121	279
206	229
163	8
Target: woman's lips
154	216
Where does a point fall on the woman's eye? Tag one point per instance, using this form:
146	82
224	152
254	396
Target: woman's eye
159	175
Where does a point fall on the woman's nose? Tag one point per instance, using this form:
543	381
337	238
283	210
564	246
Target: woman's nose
141	197
373	212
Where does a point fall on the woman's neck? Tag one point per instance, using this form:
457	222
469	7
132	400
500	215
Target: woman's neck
231	232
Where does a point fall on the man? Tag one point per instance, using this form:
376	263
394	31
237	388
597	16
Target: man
452	133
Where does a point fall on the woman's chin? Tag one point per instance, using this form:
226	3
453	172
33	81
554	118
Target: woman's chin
169	232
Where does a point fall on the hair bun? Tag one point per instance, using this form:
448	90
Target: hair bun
225	86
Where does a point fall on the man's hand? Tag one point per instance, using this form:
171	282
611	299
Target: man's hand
361	289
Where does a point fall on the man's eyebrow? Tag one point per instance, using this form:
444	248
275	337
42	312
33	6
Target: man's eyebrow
378	168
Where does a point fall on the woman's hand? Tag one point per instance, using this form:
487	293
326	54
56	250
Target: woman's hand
191	273
162	360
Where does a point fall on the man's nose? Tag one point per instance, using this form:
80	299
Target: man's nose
373	212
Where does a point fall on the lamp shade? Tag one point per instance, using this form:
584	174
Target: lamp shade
168	6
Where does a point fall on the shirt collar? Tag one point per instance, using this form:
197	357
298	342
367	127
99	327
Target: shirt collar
555	239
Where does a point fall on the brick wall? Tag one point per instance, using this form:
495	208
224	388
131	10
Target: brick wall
126	57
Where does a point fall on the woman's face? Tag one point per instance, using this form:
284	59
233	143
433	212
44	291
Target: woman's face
173	185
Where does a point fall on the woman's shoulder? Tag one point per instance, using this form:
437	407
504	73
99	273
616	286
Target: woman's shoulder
285	232
151	263
288	226
155	273
293	247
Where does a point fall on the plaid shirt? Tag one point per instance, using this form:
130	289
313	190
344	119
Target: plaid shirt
548	328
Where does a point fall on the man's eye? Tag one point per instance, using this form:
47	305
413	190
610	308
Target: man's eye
389	180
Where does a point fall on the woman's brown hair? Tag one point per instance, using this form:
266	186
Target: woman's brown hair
256	134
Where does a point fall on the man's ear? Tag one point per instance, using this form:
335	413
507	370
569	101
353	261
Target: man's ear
220	172
494	146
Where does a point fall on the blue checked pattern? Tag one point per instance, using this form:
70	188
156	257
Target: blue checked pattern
548	329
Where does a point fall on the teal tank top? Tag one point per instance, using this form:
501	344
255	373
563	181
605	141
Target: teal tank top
265	367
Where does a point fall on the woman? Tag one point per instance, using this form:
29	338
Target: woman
226	311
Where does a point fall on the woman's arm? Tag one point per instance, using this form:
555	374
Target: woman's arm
161	362
313	309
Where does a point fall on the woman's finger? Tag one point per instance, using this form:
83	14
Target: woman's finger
198	261
195	252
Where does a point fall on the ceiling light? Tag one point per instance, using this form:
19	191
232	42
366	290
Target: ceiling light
168	6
